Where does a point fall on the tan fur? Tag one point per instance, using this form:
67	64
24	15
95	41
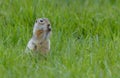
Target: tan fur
40	41
39	32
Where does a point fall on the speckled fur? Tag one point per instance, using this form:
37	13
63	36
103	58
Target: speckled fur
40	41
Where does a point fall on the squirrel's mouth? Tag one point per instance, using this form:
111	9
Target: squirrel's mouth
49	29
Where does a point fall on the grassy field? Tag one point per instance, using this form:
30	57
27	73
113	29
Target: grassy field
85	42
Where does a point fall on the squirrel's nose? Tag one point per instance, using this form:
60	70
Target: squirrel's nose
48	25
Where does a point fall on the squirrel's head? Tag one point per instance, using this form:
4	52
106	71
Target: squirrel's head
42	28
43	24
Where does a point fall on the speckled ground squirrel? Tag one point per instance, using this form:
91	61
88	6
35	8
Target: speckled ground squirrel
40	41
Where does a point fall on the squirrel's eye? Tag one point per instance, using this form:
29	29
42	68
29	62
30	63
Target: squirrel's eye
41	20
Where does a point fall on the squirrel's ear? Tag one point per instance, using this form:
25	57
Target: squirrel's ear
46	18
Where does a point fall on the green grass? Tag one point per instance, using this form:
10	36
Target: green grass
85	42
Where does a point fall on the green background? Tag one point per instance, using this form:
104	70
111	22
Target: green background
85	40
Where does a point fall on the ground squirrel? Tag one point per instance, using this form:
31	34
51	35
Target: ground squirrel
40	41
